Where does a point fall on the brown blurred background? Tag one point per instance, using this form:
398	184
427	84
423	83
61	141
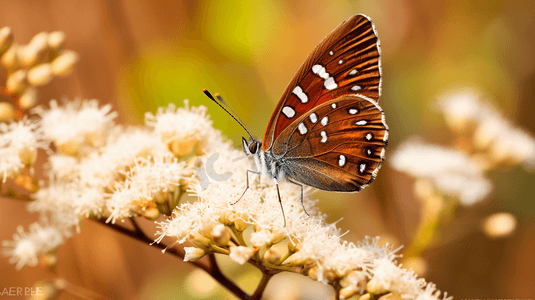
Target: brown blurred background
140	55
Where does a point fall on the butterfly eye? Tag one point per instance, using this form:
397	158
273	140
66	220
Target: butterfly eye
253	147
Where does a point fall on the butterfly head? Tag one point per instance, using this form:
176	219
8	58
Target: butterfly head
251	147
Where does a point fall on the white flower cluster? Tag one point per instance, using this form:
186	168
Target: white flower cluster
452	172
492	133
252	230
101	169
76	124
26	247
486	139
19	142
184	129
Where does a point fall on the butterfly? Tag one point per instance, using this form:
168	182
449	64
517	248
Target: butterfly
327	130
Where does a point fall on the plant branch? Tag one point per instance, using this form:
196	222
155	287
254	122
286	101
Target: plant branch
216	273
212	268
261	286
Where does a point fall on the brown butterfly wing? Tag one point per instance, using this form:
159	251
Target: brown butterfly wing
337	146
350	56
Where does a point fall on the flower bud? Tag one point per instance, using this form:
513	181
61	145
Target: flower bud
499	225
354	278
240	224
151	213
272	255
33	53
388	296
10	59
241	254
297	259
7	112
376	286
30	55
225	217
278	236
313	273
366	296
201	241
220	235
40	75
159	197
64	63
17	81
330	275
28	99
261	238
348	291
40	40
6	39
56	40
193	253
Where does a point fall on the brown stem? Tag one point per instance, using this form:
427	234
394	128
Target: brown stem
136	227
212	268
216	273
11	194
261	286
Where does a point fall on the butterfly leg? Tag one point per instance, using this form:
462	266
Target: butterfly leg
280	202
302	203
247	188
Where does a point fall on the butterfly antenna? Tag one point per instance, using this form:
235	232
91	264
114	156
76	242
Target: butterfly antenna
227	109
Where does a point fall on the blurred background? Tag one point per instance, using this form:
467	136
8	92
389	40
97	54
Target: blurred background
140	55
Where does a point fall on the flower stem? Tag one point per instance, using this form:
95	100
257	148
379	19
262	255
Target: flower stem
261	286
212	268
216	273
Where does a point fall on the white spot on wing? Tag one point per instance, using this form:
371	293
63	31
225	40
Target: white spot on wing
333	105
353	111
323	136
362	167
321	72
369	136
313	118
356	88
330	83
302	128
298	91
353	72
331	53
340	62
342	161
368	151
324	121
288	112
362	122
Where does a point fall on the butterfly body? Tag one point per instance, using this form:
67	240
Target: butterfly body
328	130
